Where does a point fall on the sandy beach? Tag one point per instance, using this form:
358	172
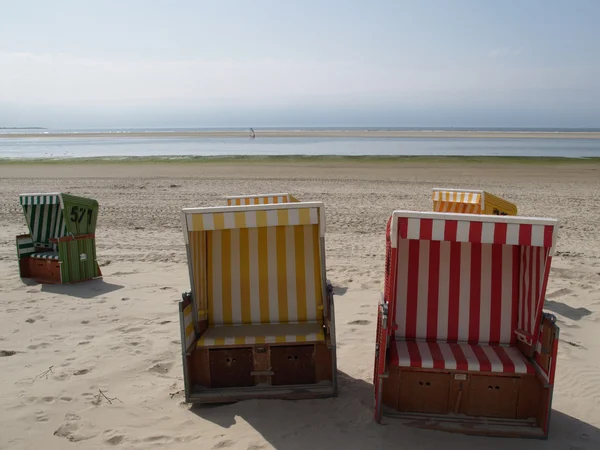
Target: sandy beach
427	134
98	365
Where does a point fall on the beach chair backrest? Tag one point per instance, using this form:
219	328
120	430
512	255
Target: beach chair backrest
468	201
257	264
57	215
468	278
260	199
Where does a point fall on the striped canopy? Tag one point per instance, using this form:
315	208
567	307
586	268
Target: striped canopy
44	216
448	200
260	199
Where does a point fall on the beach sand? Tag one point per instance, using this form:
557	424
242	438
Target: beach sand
64	345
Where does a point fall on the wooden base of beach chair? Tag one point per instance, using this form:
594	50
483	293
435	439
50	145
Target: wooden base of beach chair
286	371
40	270
474	403
46	271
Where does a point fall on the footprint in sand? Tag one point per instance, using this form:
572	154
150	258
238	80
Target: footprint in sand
224	444
359	322
7	353
85	322
41	416
112	437
81	372
30	320
74	429
161	367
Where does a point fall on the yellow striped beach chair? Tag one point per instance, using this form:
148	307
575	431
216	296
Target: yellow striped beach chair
470	201
260	199
258	321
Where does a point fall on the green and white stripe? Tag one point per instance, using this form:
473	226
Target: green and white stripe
44	216
46	255
25	246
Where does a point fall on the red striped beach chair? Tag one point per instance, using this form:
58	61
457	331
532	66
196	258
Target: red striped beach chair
260	199
462	341
60	247
258	321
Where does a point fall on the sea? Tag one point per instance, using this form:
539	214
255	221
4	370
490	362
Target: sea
35	147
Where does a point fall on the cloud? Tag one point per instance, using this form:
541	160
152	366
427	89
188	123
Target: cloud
502	52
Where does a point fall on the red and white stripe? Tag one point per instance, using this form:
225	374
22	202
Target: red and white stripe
457	292
468	278
461	357
481	229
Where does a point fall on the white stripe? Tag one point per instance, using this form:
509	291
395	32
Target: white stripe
250	340
293	217
217	293
291	274
465	292
207	222
401	292
497	365
254	291
506	297
426	358
250	219
270	339
309	270
515	356
403	355
229	340
485	303
314	215
449	360
462	231
437	231
537	235
272	271
272	218
414	228
187	318
526	287
236	296
535	287
38	228
444	291
512	233
422	289
228	221
472	361
487	232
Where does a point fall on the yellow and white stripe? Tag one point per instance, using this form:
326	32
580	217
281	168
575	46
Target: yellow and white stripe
262	334
258	275
260	199
455	201
189	326
227	220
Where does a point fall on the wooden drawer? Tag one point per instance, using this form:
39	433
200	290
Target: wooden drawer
293	364
493	396
425	392
231	367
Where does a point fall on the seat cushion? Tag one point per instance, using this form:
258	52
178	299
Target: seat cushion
463	357
45	255
261	334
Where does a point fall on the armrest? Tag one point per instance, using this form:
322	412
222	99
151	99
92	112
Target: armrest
72	238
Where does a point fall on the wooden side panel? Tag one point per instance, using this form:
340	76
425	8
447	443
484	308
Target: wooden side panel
199	367
493	396
293	364
391	388
323	362
424	392
41	270
530	398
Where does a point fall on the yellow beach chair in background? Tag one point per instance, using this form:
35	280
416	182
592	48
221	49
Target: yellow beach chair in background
258	321
471	202
260	199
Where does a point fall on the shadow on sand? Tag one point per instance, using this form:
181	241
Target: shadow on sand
565	310
86	289
346	422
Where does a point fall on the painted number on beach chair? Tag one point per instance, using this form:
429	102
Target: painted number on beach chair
77	214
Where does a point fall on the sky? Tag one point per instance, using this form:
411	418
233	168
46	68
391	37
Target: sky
226	63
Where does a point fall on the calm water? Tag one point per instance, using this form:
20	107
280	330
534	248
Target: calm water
107	147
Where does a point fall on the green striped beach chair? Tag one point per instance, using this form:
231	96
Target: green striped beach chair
61	246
